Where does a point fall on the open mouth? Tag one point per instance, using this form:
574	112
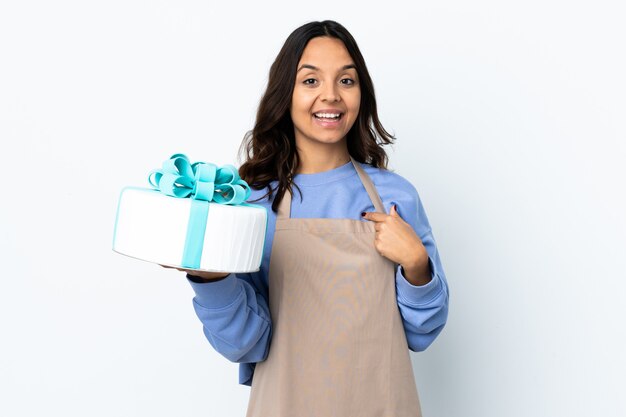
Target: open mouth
328	117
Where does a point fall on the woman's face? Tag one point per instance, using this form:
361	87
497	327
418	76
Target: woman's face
327	95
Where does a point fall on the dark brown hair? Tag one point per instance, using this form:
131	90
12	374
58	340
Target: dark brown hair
270	145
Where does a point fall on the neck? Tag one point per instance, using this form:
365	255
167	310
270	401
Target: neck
321	159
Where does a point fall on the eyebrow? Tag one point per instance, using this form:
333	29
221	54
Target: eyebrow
313	67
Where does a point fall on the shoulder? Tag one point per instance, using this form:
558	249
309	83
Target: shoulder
390	182
260	196
393	188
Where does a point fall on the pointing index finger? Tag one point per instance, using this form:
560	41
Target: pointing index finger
375	216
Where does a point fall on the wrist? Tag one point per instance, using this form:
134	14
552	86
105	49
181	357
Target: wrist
417	273
202	279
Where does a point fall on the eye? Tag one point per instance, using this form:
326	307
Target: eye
309	81
347	81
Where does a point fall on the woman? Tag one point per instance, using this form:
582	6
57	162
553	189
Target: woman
344	291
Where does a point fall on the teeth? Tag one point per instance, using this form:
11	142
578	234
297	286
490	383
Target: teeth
328	115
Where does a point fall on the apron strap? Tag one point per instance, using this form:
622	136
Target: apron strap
369	186
284	208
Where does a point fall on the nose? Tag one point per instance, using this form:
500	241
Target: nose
330	92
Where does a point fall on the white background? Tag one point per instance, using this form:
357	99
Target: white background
510	123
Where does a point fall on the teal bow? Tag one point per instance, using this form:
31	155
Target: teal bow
205	181
202	182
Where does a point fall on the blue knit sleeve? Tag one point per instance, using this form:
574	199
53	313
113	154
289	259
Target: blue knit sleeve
236	319
424	308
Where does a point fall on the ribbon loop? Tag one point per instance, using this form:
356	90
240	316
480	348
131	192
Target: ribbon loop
178	177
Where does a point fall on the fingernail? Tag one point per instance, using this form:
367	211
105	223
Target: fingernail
362	213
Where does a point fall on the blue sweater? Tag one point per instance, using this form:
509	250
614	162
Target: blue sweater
235	311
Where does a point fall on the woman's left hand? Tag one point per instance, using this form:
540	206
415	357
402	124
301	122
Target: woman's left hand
397	241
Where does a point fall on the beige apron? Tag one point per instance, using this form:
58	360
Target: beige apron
338	347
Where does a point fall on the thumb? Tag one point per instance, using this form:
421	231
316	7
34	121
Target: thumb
394	211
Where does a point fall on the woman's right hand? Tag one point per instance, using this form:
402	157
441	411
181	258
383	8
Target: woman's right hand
201	276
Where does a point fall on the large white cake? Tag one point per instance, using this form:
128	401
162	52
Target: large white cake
163	229
153	227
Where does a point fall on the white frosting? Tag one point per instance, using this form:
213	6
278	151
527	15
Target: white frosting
152	226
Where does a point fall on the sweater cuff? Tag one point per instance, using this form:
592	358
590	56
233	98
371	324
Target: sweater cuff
216	294
418	294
